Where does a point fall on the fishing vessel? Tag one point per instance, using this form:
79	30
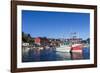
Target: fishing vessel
63	48
74	45
76	48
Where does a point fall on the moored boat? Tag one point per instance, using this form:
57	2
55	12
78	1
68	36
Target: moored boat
76	48
63	48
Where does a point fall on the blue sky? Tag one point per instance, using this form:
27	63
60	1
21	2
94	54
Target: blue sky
55	24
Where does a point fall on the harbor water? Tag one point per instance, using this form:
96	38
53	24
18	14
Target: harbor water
52	55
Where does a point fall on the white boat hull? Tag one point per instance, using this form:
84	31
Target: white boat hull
63	49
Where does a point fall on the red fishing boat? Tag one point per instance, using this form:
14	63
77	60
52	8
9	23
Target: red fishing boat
76	48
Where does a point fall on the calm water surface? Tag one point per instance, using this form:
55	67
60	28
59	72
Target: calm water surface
53	55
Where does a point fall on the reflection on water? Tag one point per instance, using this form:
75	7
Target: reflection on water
76	56
33	55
